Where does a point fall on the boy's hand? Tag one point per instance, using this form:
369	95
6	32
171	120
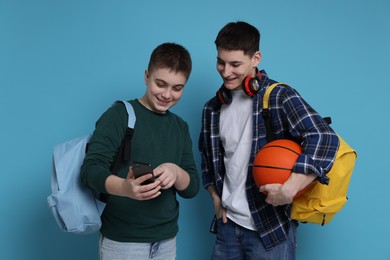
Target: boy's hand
281	194
134	189
169	174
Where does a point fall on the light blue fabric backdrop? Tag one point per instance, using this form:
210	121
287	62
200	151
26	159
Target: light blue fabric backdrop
62	63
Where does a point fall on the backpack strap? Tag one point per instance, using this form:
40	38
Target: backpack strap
131	114
129	132
124	152
266	114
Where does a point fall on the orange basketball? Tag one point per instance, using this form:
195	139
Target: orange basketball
274	162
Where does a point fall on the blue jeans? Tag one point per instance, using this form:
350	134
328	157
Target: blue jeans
236	242
113	250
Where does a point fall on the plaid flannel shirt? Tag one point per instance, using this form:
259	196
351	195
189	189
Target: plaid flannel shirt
292	118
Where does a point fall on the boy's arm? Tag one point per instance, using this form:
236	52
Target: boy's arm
278	194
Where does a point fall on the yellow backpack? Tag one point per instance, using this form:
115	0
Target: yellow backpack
321	202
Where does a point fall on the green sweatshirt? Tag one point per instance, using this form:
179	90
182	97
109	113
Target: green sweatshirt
158	138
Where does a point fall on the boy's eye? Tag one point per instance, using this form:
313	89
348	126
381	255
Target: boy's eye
177	88
160	83
233	64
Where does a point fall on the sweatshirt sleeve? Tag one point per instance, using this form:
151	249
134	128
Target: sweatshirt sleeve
188	164
103	147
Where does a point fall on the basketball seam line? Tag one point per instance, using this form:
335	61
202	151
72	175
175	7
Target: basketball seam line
272	167
279	146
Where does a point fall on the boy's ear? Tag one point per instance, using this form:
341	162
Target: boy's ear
146	77
256	59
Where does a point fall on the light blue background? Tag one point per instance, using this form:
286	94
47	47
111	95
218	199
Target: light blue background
62	63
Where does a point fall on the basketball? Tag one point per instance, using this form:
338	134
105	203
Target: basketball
275	161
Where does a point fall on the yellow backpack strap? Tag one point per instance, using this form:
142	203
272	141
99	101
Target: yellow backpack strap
266	115
268	93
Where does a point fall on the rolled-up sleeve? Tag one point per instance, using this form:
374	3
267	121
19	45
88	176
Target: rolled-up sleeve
319	141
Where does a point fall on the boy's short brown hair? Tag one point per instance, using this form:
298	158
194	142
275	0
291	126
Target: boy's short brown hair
171	56
239	36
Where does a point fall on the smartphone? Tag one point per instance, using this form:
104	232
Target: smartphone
140	169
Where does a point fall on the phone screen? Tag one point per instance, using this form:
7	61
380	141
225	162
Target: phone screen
140	169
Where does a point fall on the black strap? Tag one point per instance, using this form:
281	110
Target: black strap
124	152
328	120
270	136
268	126
124	155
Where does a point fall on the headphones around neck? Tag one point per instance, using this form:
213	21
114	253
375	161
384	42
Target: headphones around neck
250	86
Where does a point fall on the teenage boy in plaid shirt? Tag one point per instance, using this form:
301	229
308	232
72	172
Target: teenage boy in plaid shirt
250	225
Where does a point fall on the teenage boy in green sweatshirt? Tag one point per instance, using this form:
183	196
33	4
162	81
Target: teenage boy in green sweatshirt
141	221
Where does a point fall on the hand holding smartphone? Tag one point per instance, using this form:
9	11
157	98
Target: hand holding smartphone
140	169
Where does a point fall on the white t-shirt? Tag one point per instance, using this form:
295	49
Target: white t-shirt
236	136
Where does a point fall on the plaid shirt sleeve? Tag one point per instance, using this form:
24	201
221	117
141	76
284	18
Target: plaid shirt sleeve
292	114
210	147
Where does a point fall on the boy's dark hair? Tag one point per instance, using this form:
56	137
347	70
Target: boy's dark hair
239	36
171	56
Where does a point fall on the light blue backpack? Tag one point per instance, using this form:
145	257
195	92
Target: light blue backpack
76	207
